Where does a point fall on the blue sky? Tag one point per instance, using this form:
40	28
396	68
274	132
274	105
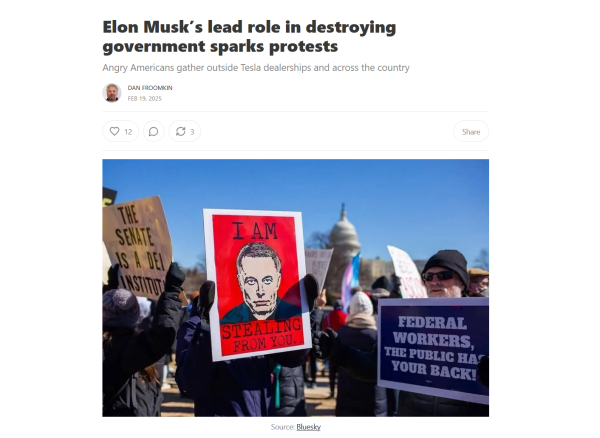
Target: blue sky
420	206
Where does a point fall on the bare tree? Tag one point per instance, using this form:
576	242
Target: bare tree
201	263
318	240
194	277
482	261
193	280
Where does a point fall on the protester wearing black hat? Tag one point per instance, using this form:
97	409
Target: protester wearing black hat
379	289
381	283
445	275
129	379
395	286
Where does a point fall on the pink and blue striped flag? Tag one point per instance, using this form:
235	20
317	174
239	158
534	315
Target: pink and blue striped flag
350	280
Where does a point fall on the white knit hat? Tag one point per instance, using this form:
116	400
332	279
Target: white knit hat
361	303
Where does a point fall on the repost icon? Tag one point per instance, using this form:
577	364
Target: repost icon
184	130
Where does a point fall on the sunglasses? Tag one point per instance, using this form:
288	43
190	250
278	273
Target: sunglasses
443	275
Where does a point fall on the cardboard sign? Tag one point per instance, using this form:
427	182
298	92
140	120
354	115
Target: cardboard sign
137	237
433	346
411	284
317	263
256	259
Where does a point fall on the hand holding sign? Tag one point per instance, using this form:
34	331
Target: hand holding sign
312	290
175	278
113	278
324	343
206	299
322	299
483	369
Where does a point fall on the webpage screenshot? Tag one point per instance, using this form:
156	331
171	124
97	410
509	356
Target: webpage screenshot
295	214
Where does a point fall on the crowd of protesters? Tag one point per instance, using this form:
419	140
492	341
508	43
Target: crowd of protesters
139	337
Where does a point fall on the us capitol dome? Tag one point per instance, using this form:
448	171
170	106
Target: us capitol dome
343	237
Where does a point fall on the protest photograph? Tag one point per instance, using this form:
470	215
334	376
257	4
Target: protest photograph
295	288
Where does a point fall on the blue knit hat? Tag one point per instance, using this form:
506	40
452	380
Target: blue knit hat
120	308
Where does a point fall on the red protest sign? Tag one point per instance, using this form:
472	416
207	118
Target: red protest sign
257	262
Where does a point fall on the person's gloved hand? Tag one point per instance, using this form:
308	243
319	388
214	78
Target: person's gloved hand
311	286
325	344
483	370
175	278
113	279
205	300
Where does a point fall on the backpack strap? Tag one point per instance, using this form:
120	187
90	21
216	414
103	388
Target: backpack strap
276	372
133	398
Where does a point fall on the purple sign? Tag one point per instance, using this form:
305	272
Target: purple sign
433	346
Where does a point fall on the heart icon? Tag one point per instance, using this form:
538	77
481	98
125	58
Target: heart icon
114	130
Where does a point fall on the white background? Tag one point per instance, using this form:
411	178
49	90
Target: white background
448	81
543	93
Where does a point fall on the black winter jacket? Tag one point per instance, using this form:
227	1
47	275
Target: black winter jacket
229	388
291	392
128	353
291	381
359	398
412	404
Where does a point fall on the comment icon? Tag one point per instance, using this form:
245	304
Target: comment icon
154	131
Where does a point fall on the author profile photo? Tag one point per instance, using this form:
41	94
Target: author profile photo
112	93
